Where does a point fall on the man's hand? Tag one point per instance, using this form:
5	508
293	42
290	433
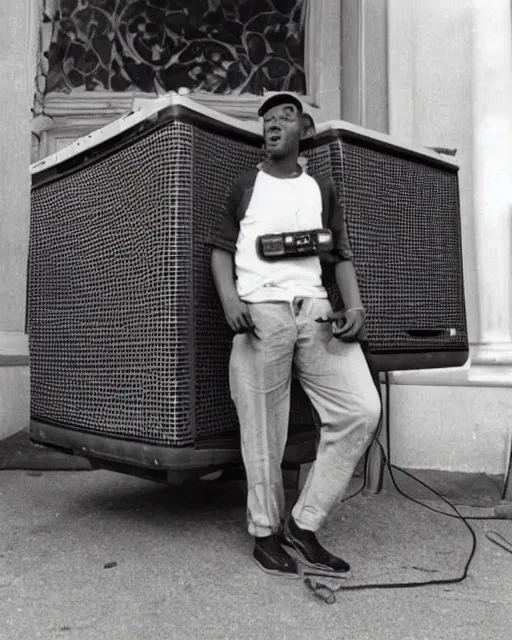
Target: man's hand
237	312
238	315
346	325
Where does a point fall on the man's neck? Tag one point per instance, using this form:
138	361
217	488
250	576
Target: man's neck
282	167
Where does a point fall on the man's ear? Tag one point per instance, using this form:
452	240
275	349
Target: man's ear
308	126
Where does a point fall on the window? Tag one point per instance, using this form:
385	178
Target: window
227	47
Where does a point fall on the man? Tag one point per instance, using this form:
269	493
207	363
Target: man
282	319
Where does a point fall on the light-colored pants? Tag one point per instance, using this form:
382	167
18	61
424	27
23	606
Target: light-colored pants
338	382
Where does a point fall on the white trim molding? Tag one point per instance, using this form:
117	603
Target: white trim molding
13	348
488	365
115	104
494	355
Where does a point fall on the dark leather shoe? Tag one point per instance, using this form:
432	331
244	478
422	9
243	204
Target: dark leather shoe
311	552
272	558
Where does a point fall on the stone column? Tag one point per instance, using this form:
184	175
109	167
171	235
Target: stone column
492	179
16	91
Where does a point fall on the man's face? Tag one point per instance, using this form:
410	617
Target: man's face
282	128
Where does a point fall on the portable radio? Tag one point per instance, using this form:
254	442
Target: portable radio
294	244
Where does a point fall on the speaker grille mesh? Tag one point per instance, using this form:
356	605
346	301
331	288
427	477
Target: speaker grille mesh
109	307
403	223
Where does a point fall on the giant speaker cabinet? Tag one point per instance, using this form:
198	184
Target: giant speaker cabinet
129	347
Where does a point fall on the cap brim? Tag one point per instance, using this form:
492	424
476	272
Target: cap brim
277	99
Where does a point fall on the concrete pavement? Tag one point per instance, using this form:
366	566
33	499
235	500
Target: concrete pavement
183	566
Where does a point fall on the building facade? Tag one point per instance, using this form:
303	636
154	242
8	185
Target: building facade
430	72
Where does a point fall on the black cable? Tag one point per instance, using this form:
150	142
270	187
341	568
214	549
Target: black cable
508	476
426	506
319	588
388	435
400	585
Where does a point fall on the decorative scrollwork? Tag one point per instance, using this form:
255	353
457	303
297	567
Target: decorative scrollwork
155	46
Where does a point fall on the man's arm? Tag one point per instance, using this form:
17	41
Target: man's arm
223	242
349	324
353	317
223	274
237	312
346	279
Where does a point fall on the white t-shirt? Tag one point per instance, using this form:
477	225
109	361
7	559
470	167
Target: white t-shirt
279	205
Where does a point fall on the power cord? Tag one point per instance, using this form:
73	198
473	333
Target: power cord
327	593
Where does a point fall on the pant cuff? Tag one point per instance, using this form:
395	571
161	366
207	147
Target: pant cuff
309	522
259	531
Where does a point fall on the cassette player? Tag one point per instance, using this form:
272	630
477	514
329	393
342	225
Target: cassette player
294	244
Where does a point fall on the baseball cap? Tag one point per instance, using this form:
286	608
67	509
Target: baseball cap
275	99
